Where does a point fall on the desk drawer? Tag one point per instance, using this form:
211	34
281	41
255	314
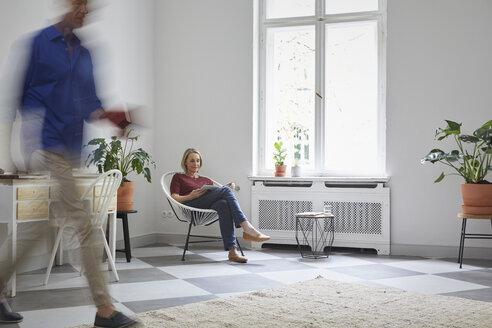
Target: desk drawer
28	193
32	210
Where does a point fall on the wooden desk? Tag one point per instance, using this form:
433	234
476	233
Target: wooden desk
30	200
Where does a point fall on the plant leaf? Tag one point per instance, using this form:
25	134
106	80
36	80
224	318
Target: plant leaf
440	178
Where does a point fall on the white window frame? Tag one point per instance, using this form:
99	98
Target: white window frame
319	20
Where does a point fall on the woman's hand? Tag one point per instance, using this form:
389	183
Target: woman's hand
231	185
196	193
192	195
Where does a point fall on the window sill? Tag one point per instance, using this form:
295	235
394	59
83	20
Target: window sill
350	182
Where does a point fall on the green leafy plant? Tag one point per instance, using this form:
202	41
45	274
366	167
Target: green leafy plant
473	158
280	153
115	155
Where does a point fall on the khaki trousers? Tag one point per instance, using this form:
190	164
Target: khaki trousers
78	218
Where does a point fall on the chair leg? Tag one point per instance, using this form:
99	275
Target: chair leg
239	246
53	255
110	257
126	234
187	241
462	242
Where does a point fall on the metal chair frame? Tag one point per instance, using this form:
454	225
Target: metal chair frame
191	215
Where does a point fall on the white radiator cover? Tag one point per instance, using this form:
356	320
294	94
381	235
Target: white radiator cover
362	211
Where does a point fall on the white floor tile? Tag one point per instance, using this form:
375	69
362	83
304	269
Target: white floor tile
64	317
203	270
59	317
153	290
428	284
332	261
431	266
157	251
122	264
251	255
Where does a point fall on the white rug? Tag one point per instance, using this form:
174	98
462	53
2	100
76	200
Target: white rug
325	303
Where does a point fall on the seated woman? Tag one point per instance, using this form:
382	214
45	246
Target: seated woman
185	188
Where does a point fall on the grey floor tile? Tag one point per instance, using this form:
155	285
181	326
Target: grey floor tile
142	306
375	271
384	258
484	263
155	245
287	253
481	277
51	298
159	261
484	295
274	265
141	275
65	268
233	284
203	248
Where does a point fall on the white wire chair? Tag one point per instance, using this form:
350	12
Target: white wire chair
191	215
107	185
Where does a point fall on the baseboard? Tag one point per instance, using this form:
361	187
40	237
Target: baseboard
484	253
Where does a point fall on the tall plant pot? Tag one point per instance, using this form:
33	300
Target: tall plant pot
280	170
477	198
125	196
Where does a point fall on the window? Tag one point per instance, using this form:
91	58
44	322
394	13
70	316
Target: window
322	85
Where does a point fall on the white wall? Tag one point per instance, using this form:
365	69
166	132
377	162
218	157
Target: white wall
438	68
204	87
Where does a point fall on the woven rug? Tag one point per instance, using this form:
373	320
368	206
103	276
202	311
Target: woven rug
325	303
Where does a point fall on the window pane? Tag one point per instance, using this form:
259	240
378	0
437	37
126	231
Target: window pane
289	99
351	102
289	8
349	6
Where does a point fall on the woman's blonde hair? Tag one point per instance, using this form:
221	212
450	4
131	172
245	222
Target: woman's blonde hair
187	153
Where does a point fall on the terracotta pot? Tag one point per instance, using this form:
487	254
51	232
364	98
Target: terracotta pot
280	170
125	196
477	198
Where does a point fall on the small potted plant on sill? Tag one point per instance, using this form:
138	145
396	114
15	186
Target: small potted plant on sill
472	161
279	157
115	155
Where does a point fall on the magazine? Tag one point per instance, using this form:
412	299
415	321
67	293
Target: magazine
209	187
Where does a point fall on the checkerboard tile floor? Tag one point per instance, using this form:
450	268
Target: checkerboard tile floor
157	278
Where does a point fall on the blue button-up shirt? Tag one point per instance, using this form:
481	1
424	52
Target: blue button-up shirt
59	92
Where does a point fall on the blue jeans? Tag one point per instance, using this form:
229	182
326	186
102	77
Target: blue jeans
225	203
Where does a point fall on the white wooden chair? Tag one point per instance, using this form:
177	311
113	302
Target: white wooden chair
107	186
191	215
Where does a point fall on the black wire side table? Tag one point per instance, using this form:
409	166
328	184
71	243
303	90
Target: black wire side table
315	230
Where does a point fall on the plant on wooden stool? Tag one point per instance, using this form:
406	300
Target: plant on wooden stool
123	157
472	161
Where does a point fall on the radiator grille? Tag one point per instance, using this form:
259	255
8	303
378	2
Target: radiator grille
280	214
357	217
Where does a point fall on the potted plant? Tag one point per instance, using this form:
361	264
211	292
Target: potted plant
115	155
300	138
279	156
472	161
